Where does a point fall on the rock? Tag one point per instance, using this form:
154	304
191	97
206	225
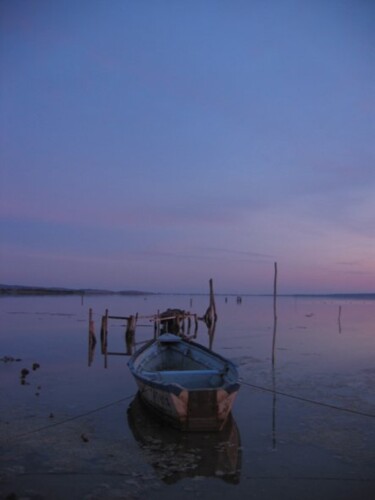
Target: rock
9	359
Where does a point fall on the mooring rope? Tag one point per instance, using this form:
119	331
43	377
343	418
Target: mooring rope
70	419
253	477
307	400
243	382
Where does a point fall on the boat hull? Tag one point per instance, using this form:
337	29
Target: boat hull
198	399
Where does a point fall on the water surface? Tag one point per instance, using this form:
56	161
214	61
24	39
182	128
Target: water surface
301	426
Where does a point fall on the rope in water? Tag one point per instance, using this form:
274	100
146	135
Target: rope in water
248	384
307	400
70	419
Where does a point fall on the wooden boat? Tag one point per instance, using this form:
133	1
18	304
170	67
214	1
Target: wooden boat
190	386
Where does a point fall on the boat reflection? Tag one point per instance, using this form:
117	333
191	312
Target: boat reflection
176	455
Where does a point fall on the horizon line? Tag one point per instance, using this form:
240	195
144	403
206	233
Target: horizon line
29	288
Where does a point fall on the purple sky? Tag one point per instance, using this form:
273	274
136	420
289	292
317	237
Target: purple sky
156	144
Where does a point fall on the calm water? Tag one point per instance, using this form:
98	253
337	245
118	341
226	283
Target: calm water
79	432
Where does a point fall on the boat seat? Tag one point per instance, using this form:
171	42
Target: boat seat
192	379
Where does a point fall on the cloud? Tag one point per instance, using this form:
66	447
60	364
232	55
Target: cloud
119	215
234	252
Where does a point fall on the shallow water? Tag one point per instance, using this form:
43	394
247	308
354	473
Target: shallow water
301	427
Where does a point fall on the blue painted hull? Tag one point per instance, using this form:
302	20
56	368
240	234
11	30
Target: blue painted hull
187	384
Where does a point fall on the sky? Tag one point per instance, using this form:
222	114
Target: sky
155	144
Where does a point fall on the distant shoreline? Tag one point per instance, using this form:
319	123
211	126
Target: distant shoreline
29	290
19	290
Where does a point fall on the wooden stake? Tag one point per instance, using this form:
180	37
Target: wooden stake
102	334
339	319
274	314
210	316
92	339
273	358
105	338
195	326
91	323
157	325
130	333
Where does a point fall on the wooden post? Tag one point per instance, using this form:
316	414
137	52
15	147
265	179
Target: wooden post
274	314
212	299
195	326
211	335
275	286
102	334
181	324
339	319
130	333
273	357
91	324
157	325
92	339
210	316
105	338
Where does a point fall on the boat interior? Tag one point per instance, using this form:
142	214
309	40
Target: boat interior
171	365
193	379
